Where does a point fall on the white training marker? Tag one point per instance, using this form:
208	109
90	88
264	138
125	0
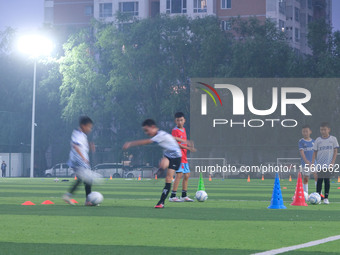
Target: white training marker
299	246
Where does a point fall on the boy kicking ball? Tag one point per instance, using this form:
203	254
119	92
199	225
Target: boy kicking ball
172	153
179	131
79	157
325	152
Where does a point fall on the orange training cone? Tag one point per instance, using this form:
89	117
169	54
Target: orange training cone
290	178
262	178
74	201
75	177
248	180
139	178
155	176
28	203
47	202
210	177
110	177
299	197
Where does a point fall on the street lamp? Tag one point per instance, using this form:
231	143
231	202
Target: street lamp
34	46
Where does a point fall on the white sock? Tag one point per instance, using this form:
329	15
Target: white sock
305	187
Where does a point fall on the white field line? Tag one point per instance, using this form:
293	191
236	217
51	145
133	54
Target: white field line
299	246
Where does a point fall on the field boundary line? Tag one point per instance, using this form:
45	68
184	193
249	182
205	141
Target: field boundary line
299	246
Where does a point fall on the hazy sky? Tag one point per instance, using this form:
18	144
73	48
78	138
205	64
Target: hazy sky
23	14
28	14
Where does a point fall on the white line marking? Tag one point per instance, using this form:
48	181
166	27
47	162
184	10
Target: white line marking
299	246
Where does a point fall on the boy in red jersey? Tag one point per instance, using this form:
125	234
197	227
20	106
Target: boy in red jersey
183	171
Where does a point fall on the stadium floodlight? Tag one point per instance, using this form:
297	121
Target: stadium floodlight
34	46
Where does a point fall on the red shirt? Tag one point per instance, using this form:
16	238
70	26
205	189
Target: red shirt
181	133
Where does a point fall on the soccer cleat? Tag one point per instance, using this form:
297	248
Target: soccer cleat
67	198
186	199
174	199
160	206
325	201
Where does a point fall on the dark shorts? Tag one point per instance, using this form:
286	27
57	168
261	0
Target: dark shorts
325	173
174	163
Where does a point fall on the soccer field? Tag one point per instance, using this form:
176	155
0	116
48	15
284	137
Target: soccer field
234	220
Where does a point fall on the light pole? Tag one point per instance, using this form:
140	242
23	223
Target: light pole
33	119
34	46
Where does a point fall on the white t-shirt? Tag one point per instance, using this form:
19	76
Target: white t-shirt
325	148
79	139
168	143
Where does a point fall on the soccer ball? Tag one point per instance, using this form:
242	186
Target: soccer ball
95	198
314	198
201	196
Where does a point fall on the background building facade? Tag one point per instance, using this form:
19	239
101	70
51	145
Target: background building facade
291	16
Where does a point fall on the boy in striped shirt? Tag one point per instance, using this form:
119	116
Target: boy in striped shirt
79	156
325	152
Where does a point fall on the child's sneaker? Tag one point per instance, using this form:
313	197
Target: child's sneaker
68	199
186	199
326	201
174	199
160	206
88	203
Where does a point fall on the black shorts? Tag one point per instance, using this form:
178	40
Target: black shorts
174	163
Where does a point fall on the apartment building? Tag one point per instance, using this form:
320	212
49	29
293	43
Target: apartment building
291	16
68	13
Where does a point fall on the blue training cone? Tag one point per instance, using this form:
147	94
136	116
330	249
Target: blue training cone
277	201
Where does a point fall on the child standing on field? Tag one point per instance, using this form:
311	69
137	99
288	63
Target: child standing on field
325	152
184	170
306	145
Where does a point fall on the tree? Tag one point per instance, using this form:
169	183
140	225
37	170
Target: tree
260	50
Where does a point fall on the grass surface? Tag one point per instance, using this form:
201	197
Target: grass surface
234	220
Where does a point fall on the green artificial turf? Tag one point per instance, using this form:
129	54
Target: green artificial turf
234	220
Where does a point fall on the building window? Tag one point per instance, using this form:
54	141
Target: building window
282	6
176	6
105	10
282	25
200	6
297	14
88	11
130	8
310	19
297	35
225	4
225	25
310	4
